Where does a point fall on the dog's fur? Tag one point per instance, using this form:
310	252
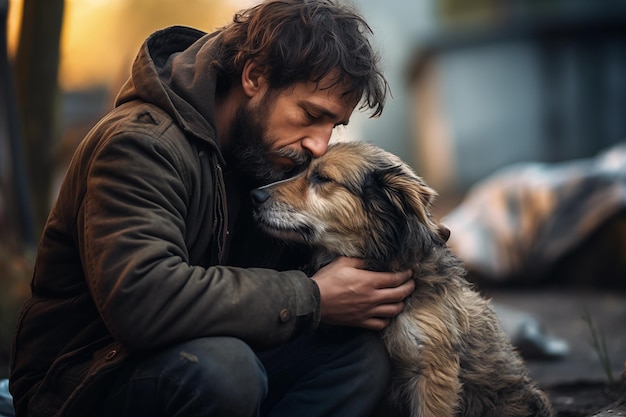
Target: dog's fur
449	355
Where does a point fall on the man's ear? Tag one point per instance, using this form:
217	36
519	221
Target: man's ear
252	78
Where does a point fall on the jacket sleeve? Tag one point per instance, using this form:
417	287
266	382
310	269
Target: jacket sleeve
131	234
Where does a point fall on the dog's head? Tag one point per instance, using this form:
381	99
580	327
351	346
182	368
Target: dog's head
356	200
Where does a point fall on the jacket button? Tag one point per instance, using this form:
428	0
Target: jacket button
285	315
110	355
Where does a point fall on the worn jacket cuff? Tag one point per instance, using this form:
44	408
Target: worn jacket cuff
309	320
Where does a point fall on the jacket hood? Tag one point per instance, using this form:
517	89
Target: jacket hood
173	70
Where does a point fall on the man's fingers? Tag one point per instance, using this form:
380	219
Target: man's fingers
395	294
387	311
376	323
353	296
393	279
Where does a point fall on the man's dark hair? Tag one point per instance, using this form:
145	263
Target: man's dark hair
305	40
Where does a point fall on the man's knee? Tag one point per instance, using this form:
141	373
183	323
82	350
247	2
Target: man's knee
339	371
223	368
369	354
217	376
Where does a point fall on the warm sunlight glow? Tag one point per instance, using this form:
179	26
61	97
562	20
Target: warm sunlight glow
100	37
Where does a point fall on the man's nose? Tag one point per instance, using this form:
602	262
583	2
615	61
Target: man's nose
317	142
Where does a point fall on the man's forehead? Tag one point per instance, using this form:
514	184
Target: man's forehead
337	82
340	92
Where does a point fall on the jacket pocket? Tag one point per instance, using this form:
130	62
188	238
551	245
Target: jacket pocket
71	380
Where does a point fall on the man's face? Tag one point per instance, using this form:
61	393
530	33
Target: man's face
277	133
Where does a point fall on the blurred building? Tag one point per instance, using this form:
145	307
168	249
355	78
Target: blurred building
476	85
481	84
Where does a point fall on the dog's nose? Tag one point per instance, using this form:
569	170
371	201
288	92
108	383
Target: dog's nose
259	196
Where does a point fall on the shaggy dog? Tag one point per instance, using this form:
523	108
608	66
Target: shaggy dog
449	354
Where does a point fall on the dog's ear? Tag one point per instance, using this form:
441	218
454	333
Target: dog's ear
443	232
409	193
399	203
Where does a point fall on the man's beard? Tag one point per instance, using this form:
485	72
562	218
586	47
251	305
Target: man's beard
252	151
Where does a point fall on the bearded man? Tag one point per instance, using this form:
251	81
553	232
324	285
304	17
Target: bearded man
153	292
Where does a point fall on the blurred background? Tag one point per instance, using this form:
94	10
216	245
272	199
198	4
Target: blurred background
477	86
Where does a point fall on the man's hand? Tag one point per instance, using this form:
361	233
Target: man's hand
351	296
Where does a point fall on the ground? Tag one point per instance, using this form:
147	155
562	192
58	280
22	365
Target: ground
577	384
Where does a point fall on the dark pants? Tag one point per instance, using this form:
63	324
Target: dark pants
344	374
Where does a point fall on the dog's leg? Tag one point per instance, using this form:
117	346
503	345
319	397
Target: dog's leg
427	381
435	393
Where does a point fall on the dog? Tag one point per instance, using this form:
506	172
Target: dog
449	355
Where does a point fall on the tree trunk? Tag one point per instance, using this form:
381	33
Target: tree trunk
36	75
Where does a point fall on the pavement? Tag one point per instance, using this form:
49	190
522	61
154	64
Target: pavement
577	382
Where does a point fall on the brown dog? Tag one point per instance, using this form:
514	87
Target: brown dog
449	355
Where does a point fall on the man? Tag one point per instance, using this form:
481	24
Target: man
153	292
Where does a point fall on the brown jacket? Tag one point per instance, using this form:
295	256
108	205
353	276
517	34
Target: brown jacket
139	248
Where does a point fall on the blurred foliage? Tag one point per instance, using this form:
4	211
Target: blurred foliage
15	274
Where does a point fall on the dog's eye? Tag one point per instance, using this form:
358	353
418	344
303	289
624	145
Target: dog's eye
319	178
